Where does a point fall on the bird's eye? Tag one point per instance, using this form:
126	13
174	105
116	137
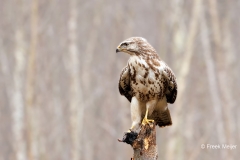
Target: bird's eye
125	44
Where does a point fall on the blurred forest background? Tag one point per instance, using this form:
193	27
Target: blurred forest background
59	72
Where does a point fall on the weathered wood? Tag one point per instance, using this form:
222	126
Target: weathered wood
143	143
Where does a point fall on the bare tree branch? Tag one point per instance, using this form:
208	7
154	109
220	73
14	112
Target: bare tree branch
30	85
17	99
182	76
212	79
76	101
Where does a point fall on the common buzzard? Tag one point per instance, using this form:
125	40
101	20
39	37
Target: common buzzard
147	82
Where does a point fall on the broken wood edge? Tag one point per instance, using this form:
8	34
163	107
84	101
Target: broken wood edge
143	143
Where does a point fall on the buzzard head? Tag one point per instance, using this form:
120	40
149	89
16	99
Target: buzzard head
136	46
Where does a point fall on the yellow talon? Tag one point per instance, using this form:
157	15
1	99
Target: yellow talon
145	120
130	130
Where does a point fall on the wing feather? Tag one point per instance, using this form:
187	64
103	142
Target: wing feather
171	93
124	83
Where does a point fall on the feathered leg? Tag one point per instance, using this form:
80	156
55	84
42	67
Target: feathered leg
135	113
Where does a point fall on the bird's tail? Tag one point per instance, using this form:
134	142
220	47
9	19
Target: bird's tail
162	118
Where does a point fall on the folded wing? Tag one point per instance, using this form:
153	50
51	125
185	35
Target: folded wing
171	93
124	83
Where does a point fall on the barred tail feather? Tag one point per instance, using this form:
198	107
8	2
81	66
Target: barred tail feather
162	118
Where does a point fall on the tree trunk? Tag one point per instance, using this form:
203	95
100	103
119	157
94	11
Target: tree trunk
143	143
76	106
31	111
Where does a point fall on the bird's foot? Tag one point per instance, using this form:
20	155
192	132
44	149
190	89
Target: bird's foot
131	129
147	121
134	128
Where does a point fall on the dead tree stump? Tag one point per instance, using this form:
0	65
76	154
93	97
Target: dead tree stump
143	143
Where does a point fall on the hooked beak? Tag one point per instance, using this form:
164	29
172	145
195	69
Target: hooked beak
118	49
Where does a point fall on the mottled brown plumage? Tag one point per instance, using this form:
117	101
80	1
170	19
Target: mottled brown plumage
147	82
